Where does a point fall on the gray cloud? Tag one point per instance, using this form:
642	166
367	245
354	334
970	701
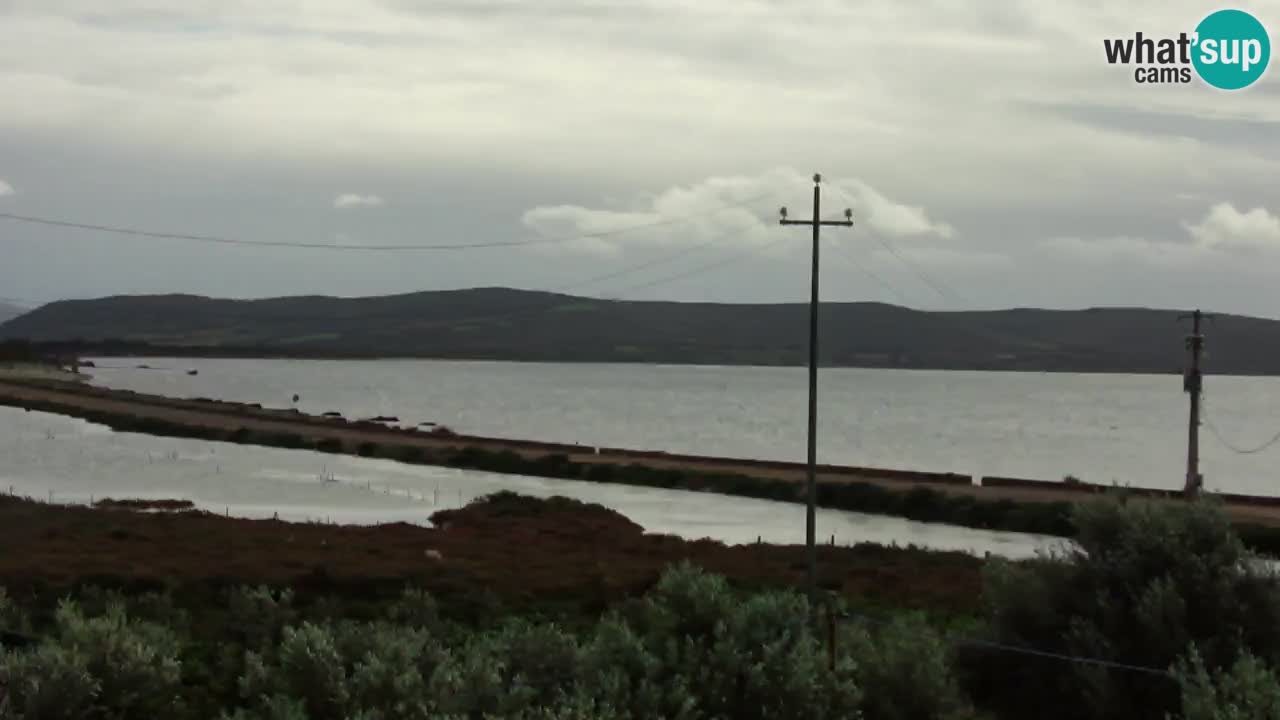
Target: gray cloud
990	144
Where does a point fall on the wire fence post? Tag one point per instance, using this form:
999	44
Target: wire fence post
831	636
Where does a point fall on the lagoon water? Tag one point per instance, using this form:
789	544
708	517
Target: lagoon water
52	457
1126	429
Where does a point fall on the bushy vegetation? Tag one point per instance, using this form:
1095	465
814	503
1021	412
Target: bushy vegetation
1146	585
1157	613
104	666
691	648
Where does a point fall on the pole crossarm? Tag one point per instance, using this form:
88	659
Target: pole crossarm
841	223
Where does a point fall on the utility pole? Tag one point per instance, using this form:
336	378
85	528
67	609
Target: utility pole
811	494
1192	384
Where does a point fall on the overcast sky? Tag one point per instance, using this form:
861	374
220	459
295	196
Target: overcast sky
990	155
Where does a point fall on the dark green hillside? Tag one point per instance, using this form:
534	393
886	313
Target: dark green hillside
499	323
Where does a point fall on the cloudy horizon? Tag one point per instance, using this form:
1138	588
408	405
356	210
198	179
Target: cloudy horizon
990	155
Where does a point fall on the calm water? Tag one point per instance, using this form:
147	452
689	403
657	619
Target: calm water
69	460
1129	429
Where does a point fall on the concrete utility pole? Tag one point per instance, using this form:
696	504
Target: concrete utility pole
1192	383
811	495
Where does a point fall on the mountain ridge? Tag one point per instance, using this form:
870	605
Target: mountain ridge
514	324
9	311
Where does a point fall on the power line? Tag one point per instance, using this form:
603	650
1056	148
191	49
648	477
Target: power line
1208	422
610	275
1035	652
1078	659
220	240
708	267
939	287
920	273
627	270
847	257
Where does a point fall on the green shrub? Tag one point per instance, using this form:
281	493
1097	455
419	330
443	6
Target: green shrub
411	454
1146	582
905	669
621	674
105	667
521	666
312	671
555	465
343	670
1247	690
415	609
390	680
259	614
49	682
292	441
752	658
12	617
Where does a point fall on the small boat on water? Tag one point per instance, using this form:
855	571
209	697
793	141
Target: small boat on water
193	371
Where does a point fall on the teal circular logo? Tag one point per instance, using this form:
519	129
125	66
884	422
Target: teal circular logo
1232	49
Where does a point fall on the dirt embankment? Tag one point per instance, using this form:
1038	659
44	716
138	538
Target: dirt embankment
239	422
24	371
228	417
523	549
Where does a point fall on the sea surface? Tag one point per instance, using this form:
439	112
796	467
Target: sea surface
67	460
1122	429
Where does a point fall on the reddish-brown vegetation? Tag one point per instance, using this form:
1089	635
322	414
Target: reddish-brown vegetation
523	550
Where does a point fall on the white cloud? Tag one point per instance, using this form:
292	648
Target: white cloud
737	210
887	217
1222	233
353	200
5	188
1226	228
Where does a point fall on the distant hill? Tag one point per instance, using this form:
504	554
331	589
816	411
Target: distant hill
8	312
498	323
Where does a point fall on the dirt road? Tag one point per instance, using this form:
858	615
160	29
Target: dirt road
210	415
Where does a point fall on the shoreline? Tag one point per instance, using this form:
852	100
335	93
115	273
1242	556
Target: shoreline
208	353
1006	504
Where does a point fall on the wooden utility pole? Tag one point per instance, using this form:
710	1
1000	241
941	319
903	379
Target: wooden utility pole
811	494
1192	383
